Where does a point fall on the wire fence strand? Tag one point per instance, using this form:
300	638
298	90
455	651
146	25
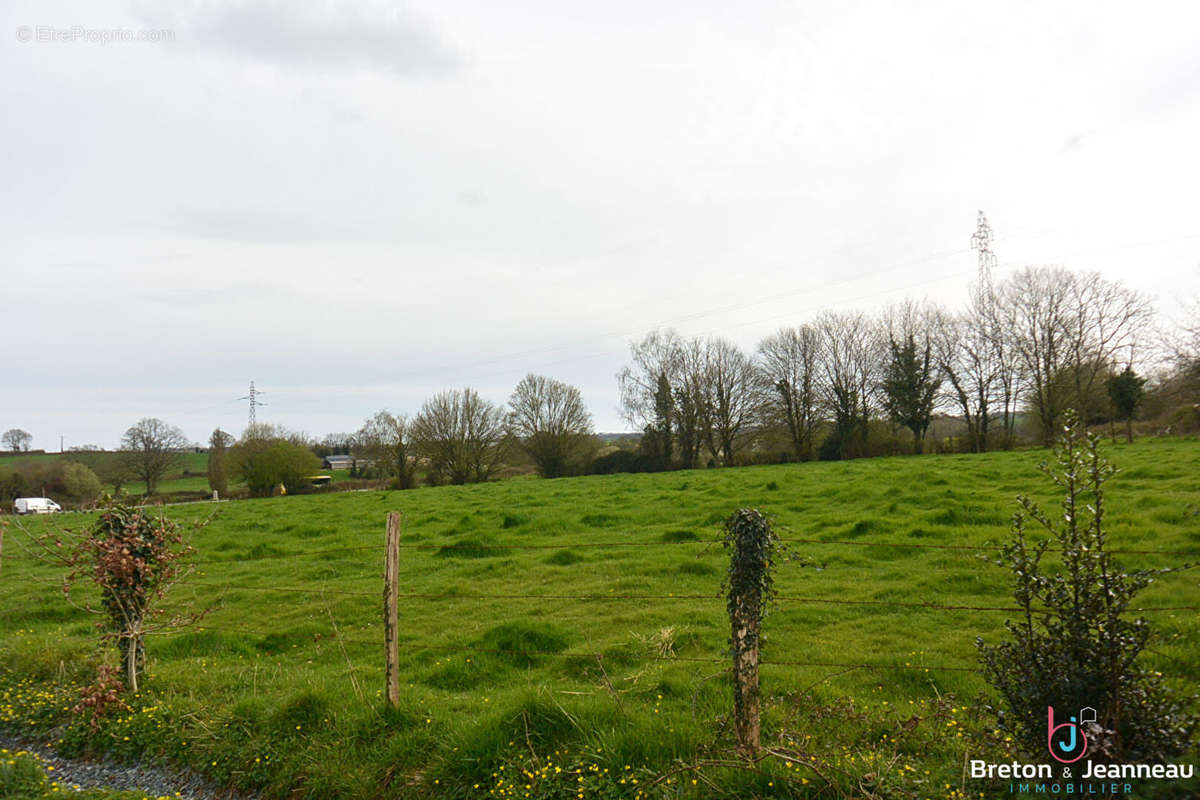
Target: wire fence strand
640	598
962	548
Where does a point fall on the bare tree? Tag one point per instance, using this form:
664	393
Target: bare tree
1174	371
993	367
1183	351
849	363
150	448
664	391
966	354
655	355
1108	320
461	434
1036	307
788	363
1185	343
334	444
386	439
988	327
733	400
691	412
17	440
551	422
1067	328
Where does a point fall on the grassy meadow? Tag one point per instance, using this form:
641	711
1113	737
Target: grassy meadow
502	693
189	476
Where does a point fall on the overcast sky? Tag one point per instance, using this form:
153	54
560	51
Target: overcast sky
357	204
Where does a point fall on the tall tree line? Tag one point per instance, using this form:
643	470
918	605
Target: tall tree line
1025	348
1034	344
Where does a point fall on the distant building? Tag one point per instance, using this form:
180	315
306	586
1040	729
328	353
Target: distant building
338	462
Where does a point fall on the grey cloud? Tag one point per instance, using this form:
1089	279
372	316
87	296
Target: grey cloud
314	35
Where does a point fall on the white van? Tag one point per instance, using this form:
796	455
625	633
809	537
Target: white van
36	505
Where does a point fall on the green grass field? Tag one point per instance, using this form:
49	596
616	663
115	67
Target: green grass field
266	696
8	457
189	476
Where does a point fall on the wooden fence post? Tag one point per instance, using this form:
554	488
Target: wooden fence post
745	672
391	610
746	693
748	534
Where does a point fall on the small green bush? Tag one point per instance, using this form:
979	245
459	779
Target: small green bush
1074	645
80	483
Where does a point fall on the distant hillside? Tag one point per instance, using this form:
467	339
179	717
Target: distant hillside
615	437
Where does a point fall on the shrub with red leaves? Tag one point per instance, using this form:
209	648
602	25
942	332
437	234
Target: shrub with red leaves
133	558
101	697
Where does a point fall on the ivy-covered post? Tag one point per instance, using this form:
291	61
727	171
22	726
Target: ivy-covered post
748	534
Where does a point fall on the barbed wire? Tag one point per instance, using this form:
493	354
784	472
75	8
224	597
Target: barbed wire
980	548
641	597
232	559
975	548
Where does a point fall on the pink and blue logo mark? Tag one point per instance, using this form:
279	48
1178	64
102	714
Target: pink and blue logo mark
1066	741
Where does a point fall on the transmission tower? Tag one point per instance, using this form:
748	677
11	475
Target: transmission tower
254	401
981	240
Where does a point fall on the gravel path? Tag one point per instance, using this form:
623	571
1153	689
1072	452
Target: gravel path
108	774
